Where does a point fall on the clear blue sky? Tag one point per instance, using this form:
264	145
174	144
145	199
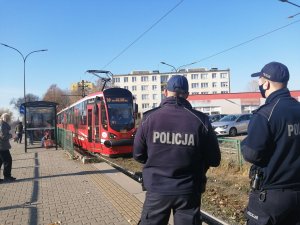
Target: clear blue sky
88	34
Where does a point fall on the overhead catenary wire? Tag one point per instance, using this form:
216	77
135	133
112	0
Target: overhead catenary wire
142	34
240	44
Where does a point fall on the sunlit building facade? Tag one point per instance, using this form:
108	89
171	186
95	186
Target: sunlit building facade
147	86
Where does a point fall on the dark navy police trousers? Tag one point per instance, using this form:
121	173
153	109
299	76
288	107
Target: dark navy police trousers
157	209
273	207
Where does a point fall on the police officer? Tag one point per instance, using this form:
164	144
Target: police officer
177	145
273	147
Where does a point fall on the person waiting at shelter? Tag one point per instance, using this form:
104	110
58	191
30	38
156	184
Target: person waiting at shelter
46	136
19	132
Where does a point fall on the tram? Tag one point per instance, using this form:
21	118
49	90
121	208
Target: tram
102	122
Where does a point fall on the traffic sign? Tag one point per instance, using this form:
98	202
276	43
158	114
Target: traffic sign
22	109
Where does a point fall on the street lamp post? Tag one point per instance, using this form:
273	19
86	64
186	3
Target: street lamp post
24	63
293	5
290	3
176	70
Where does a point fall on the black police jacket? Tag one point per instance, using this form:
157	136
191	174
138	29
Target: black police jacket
177	145
273	141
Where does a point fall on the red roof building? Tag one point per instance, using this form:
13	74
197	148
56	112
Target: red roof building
230	103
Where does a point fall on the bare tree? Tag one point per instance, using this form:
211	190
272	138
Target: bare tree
55	94
17	102
252	86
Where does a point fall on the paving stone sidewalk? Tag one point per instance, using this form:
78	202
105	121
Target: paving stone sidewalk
53	189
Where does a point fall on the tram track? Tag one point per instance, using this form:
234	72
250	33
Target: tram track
137	176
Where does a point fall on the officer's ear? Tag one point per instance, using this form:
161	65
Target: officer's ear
166	92
266	85
186	95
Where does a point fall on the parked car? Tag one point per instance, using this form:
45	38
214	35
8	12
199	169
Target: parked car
232	124
216	117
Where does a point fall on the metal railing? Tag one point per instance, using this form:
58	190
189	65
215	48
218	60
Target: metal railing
231	150
65	140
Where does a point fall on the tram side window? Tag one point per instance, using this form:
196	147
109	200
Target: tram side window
103	116
76	117
72	115
69	116
83	113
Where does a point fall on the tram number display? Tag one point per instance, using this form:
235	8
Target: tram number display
117	100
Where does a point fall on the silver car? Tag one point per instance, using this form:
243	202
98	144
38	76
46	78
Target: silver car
216	117
232	124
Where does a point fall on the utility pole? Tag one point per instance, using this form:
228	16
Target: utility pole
82	87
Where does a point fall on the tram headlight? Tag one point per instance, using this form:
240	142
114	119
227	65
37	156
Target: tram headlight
104	134
112	136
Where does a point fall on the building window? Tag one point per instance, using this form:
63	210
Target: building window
126	87
154	87
144	87
164	78
223	75
145	106
155	96
125	79
214	92
133	88
214	84
214	75
224	92
117	80
144	78
145	96
195	76
224	84
195	85
154	105
195	93
204	85
154	78
203	75
133	79
204	93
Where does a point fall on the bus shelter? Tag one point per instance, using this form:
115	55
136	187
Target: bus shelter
40	124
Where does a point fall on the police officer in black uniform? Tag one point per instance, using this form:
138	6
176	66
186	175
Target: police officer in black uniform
177	145
273	147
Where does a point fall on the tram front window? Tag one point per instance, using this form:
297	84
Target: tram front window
120	116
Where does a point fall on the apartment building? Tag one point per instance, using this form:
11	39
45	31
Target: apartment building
147	86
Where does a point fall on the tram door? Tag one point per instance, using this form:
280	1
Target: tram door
93	123
97	123
90	125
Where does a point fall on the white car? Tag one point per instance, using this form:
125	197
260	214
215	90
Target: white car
232	124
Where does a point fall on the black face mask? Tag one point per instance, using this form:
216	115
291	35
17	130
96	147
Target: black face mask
262	91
